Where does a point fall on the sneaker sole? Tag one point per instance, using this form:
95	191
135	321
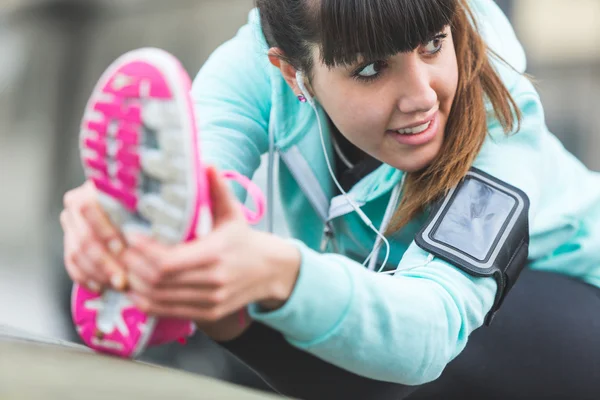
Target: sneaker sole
140	111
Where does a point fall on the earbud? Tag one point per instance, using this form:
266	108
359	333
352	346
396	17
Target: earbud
305	93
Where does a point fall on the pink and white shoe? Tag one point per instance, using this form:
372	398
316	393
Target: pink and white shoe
139	146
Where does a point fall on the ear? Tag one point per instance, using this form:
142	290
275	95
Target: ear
287	70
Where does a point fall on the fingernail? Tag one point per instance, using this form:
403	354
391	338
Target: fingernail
94	286
118	281
115	246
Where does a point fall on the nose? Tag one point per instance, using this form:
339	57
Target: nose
416	93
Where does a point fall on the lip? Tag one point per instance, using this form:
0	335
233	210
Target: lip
421	138
430	118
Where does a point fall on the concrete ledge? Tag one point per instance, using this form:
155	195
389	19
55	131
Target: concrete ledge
32	367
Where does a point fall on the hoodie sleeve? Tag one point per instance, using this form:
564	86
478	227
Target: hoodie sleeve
232	96
401	329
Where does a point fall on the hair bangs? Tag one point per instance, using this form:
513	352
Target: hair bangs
376	29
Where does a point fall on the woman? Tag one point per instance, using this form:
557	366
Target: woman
400	102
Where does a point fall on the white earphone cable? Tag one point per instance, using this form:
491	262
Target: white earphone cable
361	214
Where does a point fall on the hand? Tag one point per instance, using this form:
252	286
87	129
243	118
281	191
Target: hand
91	242
212	278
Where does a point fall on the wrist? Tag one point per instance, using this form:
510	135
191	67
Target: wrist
228	328
282	261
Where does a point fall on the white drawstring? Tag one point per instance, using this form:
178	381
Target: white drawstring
387	217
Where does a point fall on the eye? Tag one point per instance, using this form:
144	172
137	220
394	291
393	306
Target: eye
435	45
371	71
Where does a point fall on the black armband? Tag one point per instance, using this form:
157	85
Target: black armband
481	227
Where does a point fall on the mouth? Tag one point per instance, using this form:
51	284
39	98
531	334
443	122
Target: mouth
415	130
419	134
417	127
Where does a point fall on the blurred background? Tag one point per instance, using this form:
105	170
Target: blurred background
52	52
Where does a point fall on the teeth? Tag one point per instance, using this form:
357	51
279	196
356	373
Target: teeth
415	130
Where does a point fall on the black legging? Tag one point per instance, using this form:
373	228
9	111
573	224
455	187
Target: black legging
543	344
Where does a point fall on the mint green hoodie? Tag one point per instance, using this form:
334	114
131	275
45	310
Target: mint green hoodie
404	328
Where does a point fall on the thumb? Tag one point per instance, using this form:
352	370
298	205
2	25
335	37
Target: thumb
224	203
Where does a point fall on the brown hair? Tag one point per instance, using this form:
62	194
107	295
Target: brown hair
377	29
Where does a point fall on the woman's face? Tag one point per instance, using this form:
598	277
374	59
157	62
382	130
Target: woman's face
395	109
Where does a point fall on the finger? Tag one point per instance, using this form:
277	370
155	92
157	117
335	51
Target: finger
209	277
198	304
74	198
79	268
142	274
64	220
91	248
180	257
179	311
94	278
103	228
225	204
113	273
152	249
76	275
77	237
79	258
82	234
188	296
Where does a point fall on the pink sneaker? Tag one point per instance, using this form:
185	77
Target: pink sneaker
139	145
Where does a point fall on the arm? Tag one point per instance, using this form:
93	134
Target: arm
406	328
402	329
